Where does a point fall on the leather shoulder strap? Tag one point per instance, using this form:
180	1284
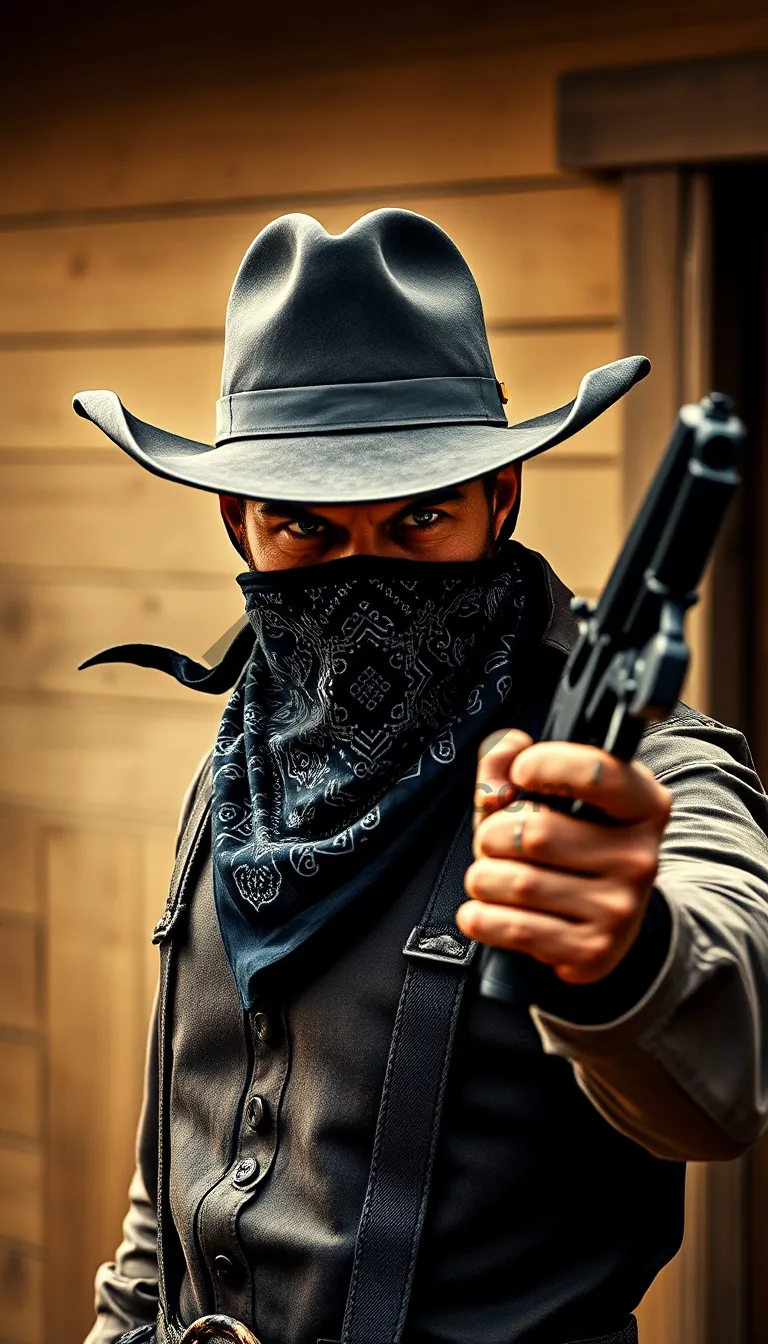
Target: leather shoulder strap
395	1203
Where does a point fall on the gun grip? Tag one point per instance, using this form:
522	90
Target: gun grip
499	975
571	807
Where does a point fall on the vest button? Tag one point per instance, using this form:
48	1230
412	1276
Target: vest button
256	1112
245	1172
262	1027
228	1270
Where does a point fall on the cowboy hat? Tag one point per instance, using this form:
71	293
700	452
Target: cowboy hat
356	367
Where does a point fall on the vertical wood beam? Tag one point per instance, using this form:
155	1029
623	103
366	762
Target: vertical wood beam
651	320
97	1035
700	1298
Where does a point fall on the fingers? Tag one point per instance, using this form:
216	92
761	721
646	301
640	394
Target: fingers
624	790
525	886
555	840
493	788
580	953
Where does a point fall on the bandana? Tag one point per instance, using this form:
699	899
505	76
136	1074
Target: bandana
369	679
364	688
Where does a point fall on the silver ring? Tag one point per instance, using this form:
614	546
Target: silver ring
517	835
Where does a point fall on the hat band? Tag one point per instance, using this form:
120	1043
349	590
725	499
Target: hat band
346	406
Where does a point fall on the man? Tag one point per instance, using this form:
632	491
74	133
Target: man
343	1139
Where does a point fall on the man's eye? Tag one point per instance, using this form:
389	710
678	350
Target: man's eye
423	518
304	527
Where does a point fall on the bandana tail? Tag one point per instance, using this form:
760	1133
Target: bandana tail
196	676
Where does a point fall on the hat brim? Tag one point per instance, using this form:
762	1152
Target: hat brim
352	467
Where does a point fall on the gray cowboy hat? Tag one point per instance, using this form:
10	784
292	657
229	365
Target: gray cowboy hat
356	367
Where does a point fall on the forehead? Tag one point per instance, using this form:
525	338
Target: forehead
275	508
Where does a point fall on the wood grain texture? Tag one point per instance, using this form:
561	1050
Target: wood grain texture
477	113
19	846
21	1077
571	515
543	370
102	511
20	987
113	758
98	1023
534	254
22	1284
695	111
473	117
174	386
47	629
21	1193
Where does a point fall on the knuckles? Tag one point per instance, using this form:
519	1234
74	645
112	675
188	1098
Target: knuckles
499	882
621	907
640	864
494	837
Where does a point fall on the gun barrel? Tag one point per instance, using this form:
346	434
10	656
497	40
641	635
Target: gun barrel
706	491
631	655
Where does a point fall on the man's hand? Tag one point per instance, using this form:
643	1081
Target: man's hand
570	893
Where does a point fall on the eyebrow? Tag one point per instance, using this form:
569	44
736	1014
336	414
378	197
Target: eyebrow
276	508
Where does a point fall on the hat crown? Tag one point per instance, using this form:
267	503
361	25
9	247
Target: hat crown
391	298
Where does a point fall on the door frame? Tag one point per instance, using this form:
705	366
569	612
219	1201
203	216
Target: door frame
659	129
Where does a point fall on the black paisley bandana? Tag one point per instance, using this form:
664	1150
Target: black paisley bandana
369	682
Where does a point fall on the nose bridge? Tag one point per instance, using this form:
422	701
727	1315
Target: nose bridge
366	532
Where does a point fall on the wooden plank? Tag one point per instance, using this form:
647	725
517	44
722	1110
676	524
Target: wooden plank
19	846
97	1041
472	115
486	110
19	971
537	254
543	370
571	514
22	1288
104	511
669	112
176	385
65	755
653	243
21	1193
47	629
20	1088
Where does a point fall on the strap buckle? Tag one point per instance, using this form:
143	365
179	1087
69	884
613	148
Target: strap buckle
434	942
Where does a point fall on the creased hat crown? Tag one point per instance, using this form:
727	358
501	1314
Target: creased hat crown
391	298
356	368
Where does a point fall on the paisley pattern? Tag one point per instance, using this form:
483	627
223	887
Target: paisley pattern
368	678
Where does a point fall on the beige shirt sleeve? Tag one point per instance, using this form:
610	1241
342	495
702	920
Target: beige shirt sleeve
685	1071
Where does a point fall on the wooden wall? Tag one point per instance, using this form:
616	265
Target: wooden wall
121	234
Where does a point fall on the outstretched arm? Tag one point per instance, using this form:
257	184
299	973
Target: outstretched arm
657	936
